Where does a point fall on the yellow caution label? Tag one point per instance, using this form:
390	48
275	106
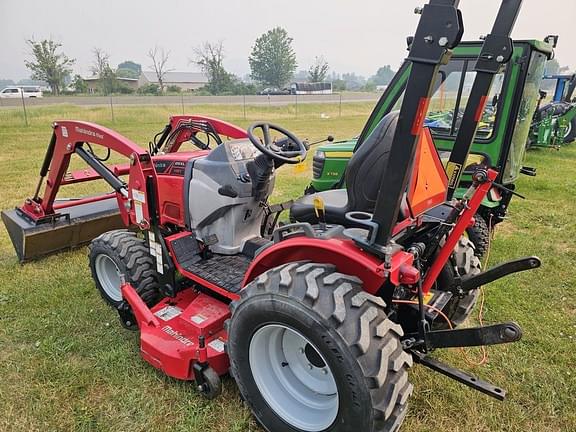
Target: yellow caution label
453	172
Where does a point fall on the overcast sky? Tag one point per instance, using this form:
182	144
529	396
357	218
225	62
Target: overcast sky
353	35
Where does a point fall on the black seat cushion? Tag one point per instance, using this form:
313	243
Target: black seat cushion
335	207
363	175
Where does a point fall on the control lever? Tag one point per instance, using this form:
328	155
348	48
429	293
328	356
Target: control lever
320	212
504	188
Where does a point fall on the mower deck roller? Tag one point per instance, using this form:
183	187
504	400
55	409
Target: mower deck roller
78	226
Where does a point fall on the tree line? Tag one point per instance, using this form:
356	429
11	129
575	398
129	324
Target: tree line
272	64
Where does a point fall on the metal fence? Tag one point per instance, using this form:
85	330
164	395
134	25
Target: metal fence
186	100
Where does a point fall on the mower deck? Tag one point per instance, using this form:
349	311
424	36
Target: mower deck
171	332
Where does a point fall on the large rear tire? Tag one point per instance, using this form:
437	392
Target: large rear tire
311	351
117	253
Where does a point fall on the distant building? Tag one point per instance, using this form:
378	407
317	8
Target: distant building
185	80
94	86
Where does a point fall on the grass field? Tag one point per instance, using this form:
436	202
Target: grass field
66	364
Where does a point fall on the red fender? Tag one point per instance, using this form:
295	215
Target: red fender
343	253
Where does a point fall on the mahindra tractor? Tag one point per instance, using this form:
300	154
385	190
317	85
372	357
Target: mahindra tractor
318	321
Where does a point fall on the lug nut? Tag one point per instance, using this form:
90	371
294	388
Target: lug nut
443	41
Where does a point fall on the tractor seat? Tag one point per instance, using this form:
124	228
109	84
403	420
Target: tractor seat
363	174
335	207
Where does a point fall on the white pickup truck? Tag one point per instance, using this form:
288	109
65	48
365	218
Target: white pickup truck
18	92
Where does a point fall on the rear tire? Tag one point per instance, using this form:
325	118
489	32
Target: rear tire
308	313
117	253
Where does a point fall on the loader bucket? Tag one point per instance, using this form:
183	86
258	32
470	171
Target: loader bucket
77	226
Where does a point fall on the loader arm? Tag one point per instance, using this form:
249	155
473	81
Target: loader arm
67	138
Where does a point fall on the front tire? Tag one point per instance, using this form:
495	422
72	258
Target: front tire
464	262
311	351
479	234
117	253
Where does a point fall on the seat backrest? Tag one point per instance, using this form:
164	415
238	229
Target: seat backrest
365	168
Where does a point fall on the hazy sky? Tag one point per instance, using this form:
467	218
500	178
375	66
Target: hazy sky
358	35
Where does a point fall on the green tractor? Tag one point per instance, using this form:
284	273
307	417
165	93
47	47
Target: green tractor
501	137
554	124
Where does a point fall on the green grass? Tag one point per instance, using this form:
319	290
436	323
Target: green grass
66	364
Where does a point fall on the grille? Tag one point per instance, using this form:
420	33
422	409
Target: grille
317	166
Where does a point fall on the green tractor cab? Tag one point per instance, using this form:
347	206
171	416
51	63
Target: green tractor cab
501	137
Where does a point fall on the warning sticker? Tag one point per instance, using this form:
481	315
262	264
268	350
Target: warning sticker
168	312
139	212
138	195
453	172
217	345
197	319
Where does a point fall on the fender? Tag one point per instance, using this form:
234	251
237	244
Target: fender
342	253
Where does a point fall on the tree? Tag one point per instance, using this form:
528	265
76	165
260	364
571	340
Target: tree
210	57
273	60
383	76
318	71
159	59
129	69
101	68
49	65
79	85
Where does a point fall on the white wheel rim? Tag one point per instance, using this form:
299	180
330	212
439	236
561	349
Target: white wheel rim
293	377
108	276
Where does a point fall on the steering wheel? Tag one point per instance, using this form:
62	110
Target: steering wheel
269	147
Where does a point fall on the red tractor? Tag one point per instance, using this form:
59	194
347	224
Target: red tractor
317	322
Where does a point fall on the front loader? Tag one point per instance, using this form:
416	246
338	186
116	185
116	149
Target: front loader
317	322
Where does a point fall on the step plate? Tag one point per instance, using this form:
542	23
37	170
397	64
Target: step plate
225	271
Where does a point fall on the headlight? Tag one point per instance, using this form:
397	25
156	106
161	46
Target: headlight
318	164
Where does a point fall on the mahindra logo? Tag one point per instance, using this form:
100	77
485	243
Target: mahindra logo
177	335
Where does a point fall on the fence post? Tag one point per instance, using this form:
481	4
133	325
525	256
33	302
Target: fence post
182	101
24	108
112	109
340	108
244	105
296	96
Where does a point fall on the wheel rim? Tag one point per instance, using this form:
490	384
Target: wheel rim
293	377
108	276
